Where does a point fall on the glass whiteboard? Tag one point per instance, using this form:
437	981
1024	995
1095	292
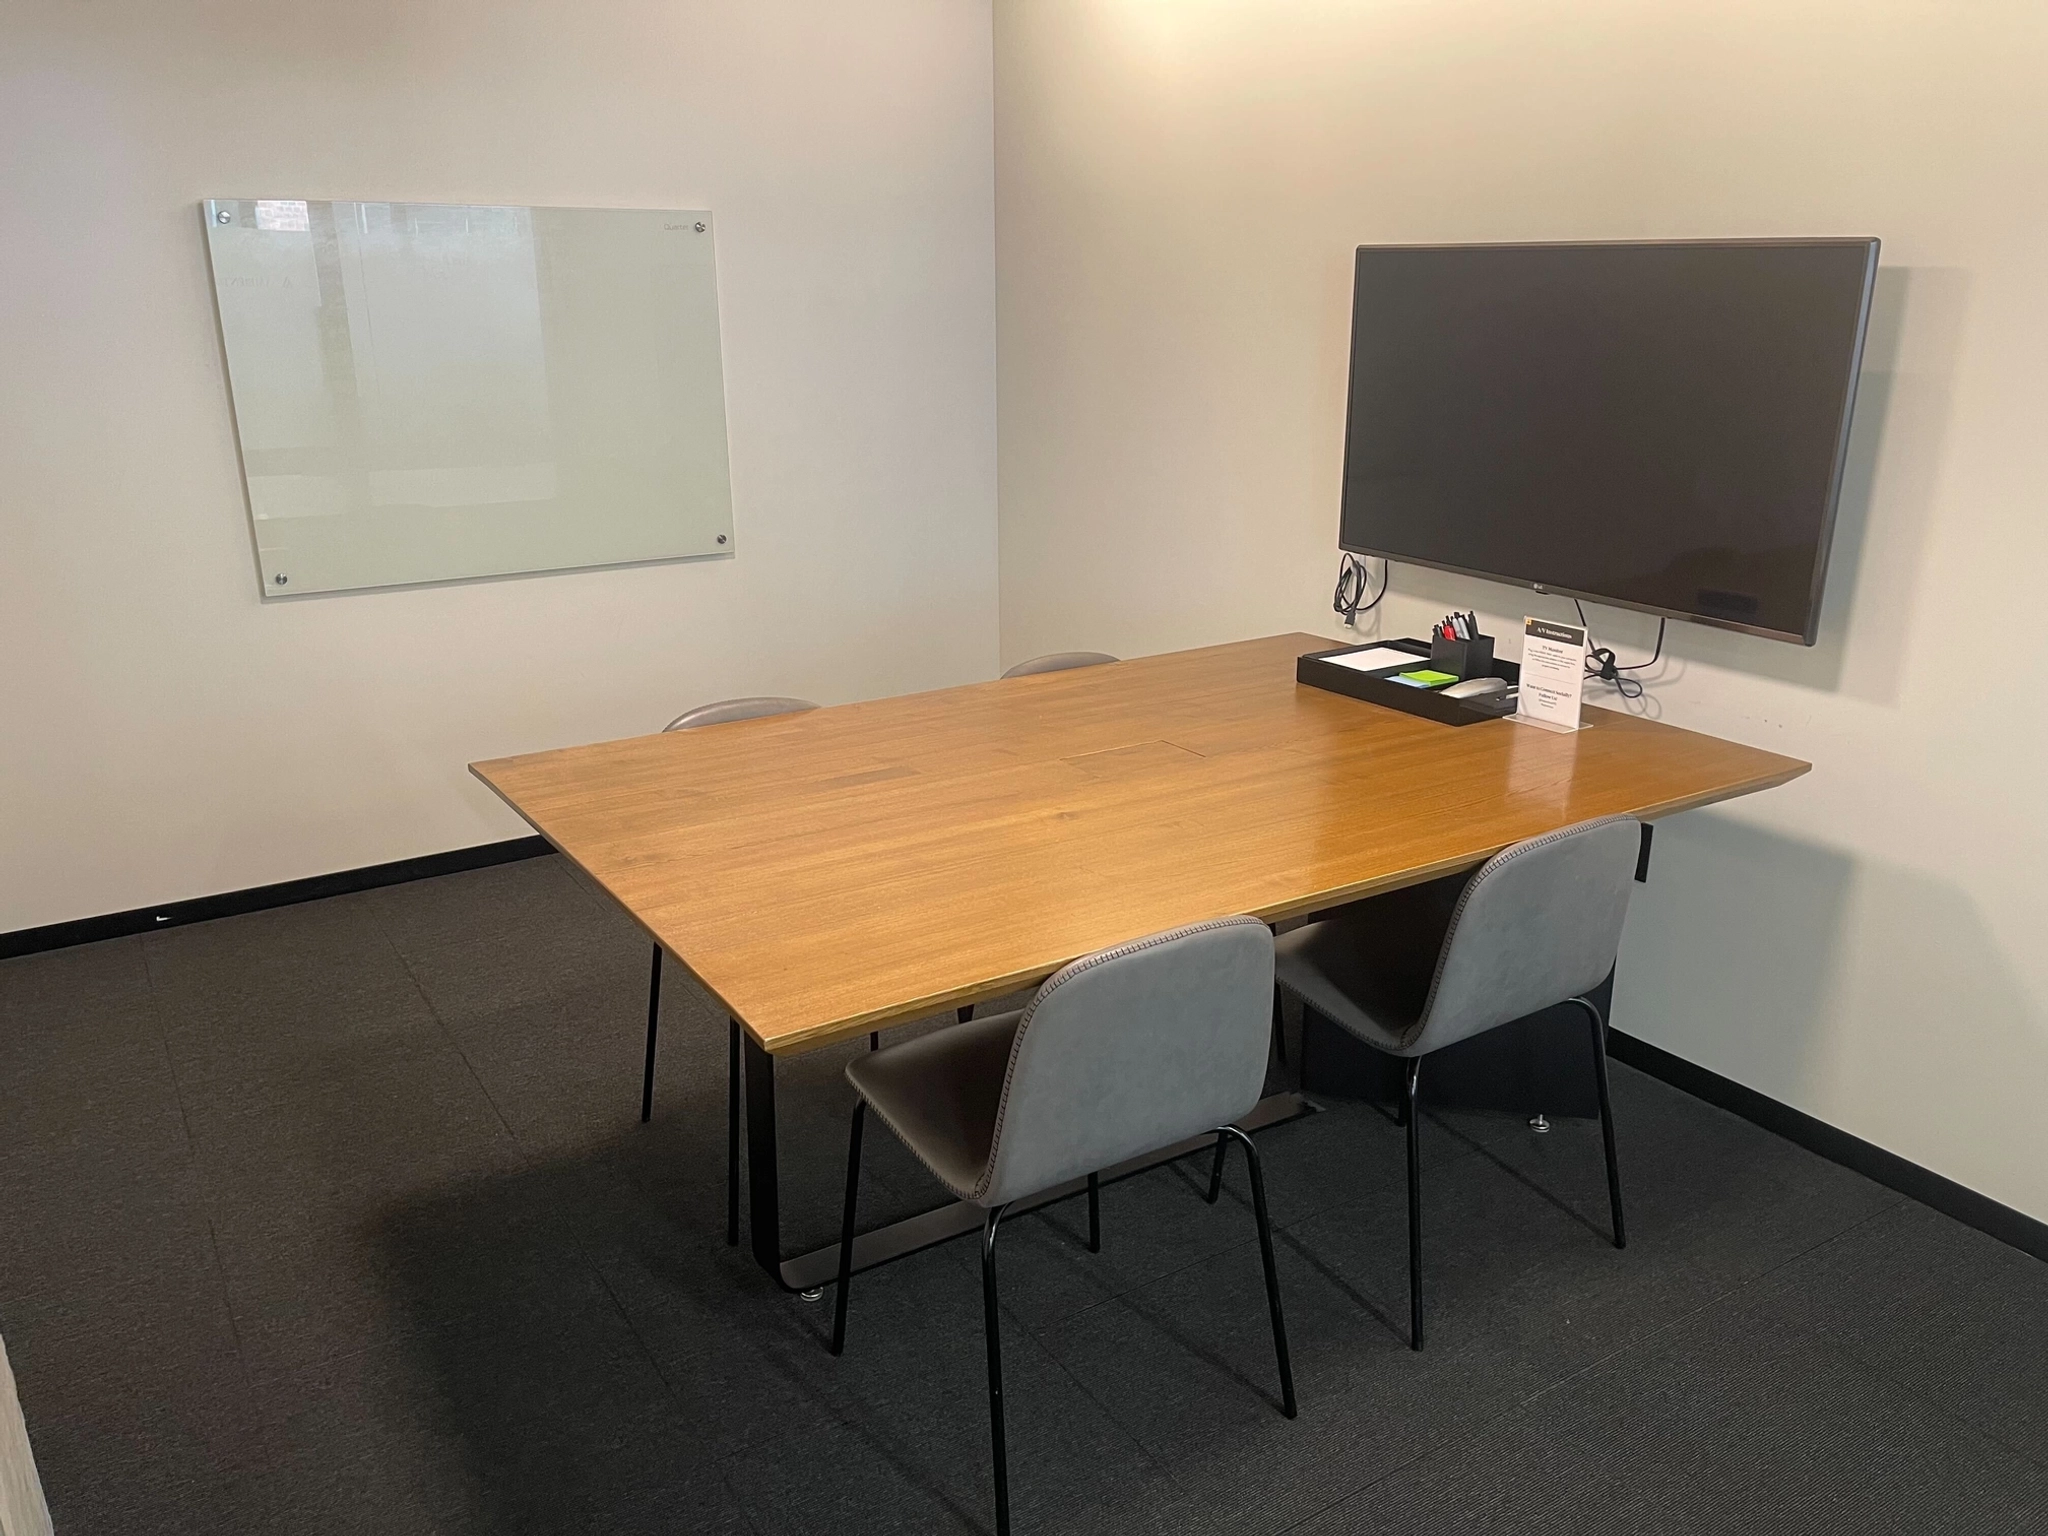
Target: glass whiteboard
430	392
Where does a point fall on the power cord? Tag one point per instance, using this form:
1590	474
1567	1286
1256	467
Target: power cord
1353	582
1600	662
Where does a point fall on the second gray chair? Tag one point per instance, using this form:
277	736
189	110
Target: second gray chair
1119	1055
1419	969
721	713
1059	661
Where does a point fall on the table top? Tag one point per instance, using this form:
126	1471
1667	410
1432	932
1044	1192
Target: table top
832	872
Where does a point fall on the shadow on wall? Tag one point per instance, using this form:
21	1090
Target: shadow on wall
1951	1037
1903	399
1733	949
1876	997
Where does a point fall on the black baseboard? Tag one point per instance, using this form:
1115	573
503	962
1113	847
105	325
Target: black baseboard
1837	1146
114	925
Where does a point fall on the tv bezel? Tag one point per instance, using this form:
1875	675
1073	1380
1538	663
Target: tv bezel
1834	495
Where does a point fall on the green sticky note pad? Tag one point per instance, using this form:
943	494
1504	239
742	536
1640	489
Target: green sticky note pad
1424	678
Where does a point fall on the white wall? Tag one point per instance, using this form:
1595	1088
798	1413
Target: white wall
1180	184
165	735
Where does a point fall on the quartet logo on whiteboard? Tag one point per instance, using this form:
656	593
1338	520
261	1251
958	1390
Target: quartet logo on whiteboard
1553	674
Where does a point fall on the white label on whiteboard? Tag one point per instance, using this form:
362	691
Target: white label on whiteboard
286	215
1553	674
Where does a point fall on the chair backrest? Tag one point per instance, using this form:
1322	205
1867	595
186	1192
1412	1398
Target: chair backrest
1539	923
736	709
1059	661
1131	1050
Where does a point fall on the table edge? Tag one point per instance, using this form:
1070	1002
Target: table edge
816	1037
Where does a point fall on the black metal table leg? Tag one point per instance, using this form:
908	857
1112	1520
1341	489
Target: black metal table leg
764	1185
732	1133
653	1024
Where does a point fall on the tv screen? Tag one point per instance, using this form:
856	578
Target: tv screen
1656	425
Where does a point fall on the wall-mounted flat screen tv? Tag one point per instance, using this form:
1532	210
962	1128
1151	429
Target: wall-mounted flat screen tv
1656	425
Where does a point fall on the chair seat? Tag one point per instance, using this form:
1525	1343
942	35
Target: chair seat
940	1094
1369	967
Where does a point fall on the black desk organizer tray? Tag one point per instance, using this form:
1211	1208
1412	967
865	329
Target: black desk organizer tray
1316	670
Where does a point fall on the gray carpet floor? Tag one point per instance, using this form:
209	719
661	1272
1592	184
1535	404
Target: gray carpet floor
340	1218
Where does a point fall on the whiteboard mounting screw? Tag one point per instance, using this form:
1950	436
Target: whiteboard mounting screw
700	226
721	538
223	217
279	578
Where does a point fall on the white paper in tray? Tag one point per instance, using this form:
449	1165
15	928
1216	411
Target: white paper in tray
1378	658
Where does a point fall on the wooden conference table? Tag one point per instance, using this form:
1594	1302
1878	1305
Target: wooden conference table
830	873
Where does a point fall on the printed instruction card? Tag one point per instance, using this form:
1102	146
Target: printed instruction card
1553	674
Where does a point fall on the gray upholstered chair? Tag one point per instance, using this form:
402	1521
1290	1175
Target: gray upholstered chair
1123	1053
725	711
721	713
1059	661
1419	969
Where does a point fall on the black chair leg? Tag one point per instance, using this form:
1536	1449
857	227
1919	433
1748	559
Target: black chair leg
1279	1027
1094	1214
874	1040
965	1013
732	1133
1251	1157
1216	1168
1413	1077
860	1115
991	1326
1606	1116
653	1019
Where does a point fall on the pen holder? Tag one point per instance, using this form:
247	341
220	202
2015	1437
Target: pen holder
1462	658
